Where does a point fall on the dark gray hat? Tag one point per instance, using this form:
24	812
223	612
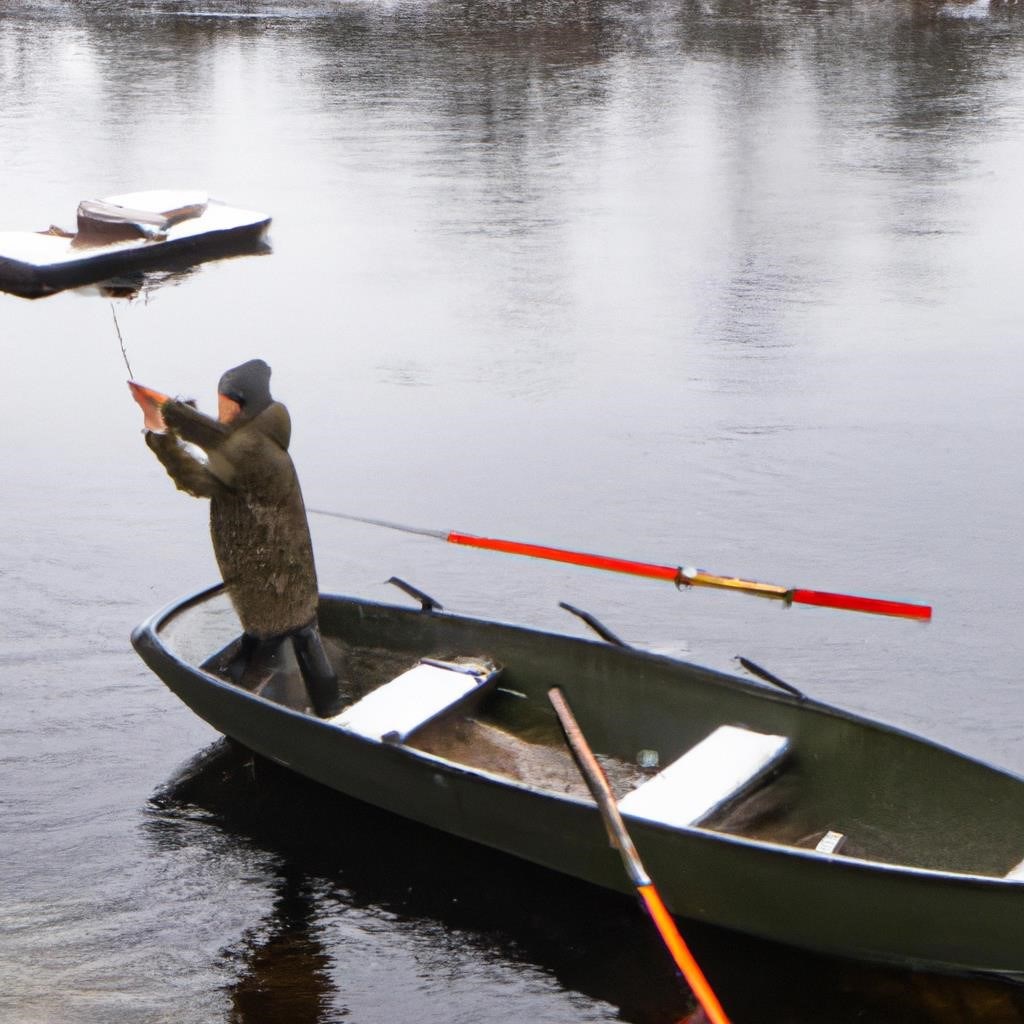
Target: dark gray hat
248	385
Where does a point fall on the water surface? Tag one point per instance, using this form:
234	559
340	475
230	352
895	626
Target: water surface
711	283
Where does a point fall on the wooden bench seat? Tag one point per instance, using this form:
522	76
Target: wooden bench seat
720	768
429	690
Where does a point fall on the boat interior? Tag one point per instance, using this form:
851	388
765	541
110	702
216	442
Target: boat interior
719	754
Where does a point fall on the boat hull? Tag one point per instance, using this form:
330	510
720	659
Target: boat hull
940	920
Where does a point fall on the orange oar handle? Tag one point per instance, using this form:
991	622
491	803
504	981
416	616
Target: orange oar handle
681	954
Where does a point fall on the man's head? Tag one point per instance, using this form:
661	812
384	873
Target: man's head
244	391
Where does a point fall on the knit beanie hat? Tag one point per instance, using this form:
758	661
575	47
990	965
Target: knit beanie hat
248	385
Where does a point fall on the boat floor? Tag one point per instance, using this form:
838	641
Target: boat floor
487	747
539	759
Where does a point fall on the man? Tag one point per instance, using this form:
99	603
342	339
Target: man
257	516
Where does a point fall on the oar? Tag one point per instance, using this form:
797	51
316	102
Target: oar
597	783
681	577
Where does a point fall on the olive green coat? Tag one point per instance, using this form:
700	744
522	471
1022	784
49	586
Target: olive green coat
257	516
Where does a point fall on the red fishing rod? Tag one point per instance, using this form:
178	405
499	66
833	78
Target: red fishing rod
680	576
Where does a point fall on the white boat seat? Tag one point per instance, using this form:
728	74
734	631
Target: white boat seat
394	711
1017	873
719	768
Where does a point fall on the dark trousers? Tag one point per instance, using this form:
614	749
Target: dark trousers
317	672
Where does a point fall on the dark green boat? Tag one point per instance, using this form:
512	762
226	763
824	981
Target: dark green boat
752	808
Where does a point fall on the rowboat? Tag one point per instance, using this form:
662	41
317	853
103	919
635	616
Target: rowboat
123	233
754	808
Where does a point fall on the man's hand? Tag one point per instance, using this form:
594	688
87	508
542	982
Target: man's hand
150	402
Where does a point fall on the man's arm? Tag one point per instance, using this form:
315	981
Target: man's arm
191	425
187	472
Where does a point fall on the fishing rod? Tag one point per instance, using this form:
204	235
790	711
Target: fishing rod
680	576
124	352
619	837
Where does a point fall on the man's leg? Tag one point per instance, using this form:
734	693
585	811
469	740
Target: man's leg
235	668
317	671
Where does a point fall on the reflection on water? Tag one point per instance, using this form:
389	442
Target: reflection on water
283	965
337	859
422	891
143	284
161	272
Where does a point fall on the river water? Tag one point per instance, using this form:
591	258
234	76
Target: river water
715	283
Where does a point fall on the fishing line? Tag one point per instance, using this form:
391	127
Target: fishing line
124	353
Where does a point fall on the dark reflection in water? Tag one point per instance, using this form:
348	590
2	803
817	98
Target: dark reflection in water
283	967
168	273
139	284
334	853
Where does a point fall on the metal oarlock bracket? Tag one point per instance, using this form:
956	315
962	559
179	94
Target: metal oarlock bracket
427	603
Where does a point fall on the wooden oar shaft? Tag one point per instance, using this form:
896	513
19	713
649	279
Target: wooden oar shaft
597	782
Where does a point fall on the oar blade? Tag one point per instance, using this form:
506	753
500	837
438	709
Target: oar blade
597	782
853	603
681	954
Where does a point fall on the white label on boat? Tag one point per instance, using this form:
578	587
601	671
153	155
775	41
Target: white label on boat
829	842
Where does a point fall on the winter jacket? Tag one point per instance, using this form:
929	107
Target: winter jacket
257	516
